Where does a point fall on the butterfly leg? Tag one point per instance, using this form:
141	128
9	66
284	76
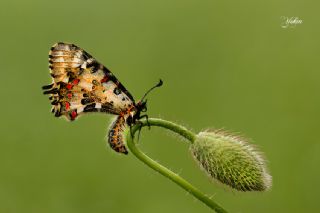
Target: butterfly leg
138	122
131	133
147	118
140	127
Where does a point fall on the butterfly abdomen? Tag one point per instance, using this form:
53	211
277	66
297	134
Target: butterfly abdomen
115	137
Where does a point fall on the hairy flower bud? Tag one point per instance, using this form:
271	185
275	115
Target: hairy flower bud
231	160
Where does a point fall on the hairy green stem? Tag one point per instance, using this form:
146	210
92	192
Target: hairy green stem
163	170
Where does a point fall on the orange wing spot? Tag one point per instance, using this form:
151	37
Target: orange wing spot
130	109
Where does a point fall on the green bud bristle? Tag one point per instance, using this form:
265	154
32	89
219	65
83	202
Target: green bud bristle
231	160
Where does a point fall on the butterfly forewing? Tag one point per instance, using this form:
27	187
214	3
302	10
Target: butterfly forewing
82	84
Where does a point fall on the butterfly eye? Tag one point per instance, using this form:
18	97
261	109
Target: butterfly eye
144	109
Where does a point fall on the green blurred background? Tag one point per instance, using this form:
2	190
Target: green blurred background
224	65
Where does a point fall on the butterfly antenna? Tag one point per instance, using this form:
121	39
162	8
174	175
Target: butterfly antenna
158	85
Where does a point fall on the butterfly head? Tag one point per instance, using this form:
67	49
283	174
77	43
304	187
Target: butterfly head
141	106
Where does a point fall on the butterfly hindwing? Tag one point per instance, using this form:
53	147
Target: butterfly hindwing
81	84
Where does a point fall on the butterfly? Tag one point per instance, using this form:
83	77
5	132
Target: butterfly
80	84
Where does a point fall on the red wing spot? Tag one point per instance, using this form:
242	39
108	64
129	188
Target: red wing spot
67	105
73	115
75	81
105	79
69	95
69	86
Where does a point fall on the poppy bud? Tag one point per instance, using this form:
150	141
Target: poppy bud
231	160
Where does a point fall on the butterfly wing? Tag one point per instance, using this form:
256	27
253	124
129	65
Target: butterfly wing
81	84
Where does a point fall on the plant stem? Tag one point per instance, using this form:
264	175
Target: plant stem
163	170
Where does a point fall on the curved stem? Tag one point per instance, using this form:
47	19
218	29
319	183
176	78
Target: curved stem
163	170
